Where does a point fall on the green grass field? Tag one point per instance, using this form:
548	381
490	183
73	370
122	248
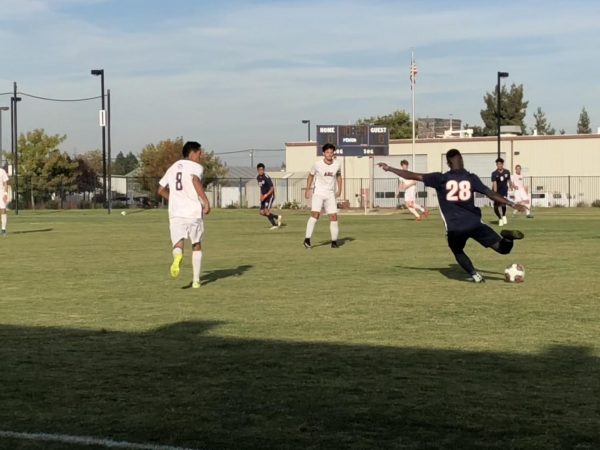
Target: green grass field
379	344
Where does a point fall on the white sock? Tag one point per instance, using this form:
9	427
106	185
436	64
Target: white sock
4	219
196	265
177	251
414	211
310	227
419	207
334	228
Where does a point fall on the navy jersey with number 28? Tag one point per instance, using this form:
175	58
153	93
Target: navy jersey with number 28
456	197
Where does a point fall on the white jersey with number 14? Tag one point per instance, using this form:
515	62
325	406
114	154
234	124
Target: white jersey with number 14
183	198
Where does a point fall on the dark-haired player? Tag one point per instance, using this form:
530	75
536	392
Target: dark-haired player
500	183
456	196
267	196
182	187
327	175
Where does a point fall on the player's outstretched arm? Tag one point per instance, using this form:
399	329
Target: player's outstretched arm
201	194
492	195
406	174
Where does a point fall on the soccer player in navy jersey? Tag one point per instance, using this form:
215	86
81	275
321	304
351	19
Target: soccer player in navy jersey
500	180
456	196
267	196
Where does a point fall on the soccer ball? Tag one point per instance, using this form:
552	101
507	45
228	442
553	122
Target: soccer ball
515	273
123	213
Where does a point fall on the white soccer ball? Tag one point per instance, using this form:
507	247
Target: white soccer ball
123	213
515	273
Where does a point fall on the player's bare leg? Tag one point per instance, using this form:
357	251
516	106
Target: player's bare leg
411	207
4	220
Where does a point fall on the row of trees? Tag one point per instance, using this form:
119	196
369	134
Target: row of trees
513	109
47	171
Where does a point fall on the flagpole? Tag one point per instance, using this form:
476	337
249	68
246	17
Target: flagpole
412	85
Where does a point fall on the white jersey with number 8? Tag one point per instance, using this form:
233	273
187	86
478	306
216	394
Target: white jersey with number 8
183	198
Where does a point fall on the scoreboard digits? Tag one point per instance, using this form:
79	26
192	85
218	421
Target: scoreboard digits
354	140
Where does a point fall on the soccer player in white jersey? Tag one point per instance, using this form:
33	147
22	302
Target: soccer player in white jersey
182	187
410	194
327	176
520	191
3	199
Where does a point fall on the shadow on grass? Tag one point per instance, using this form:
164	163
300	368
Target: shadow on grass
180	386
455	272
43	230
341	242
214	275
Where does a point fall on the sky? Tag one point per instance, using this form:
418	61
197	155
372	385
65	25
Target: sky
243	74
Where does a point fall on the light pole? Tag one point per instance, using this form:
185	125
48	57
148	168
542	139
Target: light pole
306	121
100	72
498	114
2	108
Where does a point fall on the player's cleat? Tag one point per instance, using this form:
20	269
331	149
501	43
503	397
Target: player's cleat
500	222
274	227
530	216
418	218
505	220
334	244
477	278
3	233
425	214
176	265
279	221
512	235
307	243
196	285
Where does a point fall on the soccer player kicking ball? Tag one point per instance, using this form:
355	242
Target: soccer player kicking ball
3	199
455	191
327	175
182	187
267	196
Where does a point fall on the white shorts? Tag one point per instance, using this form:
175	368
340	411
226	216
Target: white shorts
191	229
521	196
326	202
3	204
410	196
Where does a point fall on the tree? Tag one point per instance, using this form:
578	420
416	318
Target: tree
542	127
156	159
398	124
124	164
477	130
85	176
512	109
94	160
59	174
583	126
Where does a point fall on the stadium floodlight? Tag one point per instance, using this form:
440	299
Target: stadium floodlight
498	115
100	72
306	121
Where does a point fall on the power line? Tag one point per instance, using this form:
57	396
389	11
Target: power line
52	99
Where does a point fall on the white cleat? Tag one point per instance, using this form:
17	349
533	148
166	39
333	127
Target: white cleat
274	227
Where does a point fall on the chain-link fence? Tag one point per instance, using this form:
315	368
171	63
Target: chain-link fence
134	192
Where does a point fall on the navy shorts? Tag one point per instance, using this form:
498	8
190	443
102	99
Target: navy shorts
482	233
268	203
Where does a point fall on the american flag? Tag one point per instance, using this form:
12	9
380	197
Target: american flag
413	73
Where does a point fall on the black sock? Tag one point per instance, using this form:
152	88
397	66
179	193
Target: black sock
504	246
273	219
497	210
464	262
270	219
503	210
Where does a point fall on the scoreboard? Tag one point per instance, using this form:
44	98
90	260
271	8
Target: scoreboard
354	140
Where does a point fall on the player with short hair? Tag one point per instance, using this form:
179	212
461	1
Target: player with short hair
327	175
4	182
456	196
520	191
500	182
410	194
182	187
267	196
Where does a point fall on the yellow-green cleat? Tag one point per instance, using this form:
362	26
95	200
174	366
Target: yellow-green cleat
196	285
176	265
